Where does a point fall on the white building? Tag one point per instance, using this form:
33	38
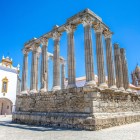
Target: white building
9	86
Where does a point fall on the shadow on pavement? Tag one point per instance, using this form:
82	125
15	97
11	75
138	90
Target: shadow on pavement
8	123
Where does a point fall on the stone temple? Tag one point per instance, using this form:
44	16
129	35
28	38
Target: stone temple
91	107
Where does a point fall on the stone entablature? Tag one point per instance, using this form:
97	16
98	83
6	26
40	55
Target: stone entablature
83	108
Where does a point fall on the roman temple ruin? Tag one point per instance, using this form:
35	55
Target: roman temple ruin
95	106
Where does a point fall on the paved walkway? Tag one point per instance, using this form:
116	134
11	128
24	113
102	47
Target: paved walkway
10	131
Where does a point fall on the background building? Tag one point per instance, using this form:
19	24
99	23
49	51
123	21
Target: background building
80	82
136	76
9	85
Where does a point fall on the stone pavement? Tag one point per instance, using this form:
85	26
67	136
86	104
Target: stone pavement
10	131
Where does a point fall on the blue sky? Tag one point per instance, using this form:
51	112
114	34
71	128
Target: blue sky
25	19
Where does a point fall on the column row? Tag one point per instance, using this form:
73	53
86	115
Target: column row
121	68
36	51
119	54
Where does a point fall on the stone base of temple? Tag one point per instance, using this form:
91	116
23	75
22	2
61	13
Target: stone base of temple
78	108
76	121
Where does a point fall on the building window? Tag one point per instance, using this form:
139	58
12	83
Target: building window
4	85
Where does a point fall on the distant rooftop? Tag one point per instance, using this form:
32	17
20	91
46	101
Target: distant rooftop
7	65
80	82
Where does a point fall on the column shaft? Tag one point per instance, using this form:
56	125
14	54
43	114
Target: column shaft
37	70
31	78
62	76
25	72
34	70
56	62
44	67
100	58
71	60
88	55
47	68
118	67
109	61
124	69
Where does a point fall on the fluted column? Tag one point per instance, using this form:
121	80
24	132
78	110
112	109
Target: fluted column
34	68
56	61
100	56
63	75
87	23
109	60
24	72
44	65
118	67
37	71
124	69
71	56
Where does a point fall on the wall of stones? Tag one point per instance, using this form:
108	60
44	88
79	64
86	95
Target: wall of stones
79	100
68	100
82	108
108	101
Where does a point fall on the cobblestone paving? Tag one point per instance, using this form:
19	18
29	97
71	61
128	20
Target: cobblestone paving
10	131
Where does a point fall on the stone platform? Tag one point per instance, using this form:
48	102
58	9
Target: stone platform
78	108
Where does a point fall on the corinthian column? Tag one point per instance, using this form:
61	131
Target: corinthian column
100	56
44	65
24	72
34	68
87	23
56	61
71	56
124	69
118	67
63	75
109	60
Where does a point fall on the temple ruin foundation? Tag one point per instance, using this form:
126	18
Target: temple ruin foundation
78	108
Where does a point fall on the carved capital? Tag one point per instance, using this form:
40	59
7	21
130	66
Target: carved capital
122	50
36	47
70	28
44	41
62	61
98	28
25	52
107	34
116	46
56	35
87	21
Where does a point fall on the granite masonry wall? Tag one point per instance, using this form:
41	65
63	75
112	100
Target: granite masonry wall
80	108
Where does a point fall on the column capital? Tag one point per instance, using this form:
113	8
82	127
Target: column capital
70	28
62	61
116	46
87	21
25	52
44	41
107	34
36	47
123	54
122	50
98	28
56	35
